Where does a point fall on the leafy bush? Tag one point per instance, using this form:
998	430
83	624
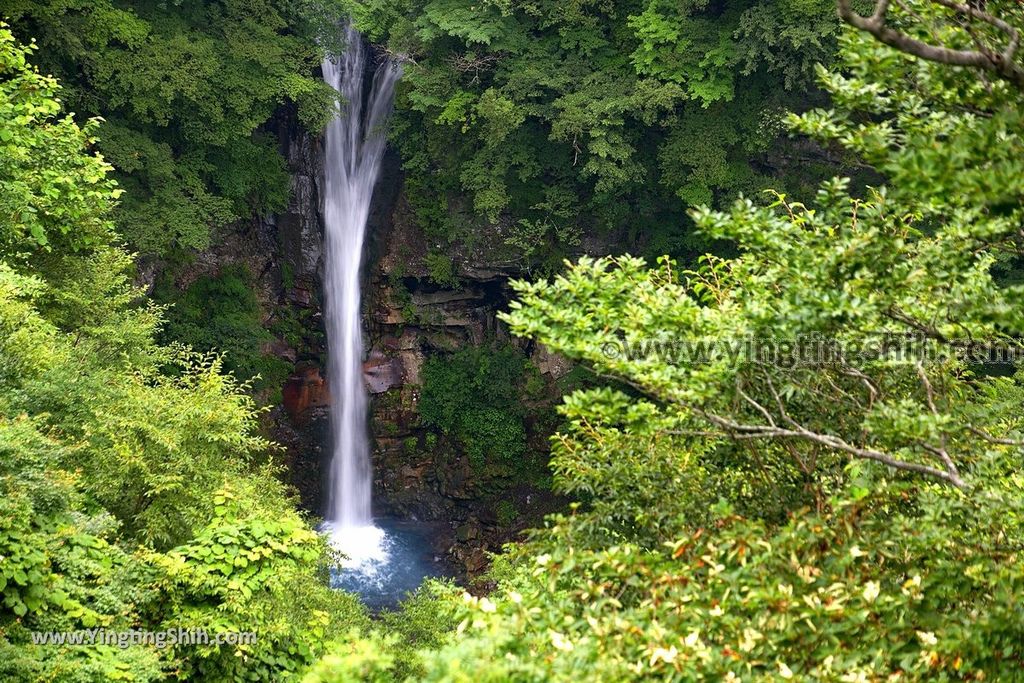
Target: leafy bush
474	396
506	512
423	622
221	313
441	269
252	572
894	581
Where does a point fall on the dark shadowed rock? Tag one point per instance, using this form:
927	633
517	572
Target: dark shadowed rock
305	389
381	372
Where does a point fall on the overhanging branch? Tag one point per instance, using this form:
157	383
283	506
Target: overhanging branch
997	61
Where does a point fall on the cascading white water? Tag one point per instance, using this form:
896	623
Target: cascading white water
354	147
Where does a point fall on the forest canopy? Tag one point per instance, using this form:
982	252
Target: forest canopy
546	121
798	451
183	90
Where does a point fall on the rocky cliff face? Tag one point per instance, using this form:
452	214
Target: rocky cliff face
408	317
300	422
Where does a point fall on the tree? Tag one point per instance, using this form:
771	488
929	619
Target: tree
522	126
921	261
857	359
135	491
183	90
978	35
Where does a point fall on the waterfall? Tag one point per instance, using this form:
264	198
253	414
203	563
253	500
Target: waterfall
354	147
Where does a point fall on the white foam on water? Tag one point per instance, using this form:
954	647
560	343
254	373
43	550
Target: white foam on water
385	560
366	548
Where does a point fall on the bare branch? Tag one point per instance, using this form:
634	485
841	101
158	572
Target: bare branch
1014	35
779	402
760	408
740	432
928	331
473	65
929	393
939	451
873	390
993	439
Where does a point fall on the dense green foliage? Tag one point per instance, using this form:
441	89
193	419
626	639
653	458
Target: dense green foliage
424	622
871	589
475	395
807	462
222	314
527	125
183	89
134	490
803	461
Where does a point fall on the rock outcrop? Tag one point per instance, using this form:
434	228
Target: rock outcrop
408	317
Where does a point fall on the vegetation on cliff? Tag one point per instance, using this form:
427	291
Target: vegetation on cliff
183	89
801	460
546	121
183	97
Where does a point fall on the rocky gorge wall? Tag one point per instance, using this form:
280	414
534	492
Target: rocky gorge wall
420	472
408	318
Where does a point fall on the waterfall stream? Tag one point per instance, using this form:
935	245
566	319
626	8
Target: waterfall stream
354	147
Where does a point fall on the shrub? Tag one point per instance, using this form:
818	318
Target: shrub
221	313
474	396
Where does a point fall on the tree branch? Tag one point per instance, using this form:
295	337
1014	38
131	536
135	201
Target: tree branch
993	439
741	431
1000	62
